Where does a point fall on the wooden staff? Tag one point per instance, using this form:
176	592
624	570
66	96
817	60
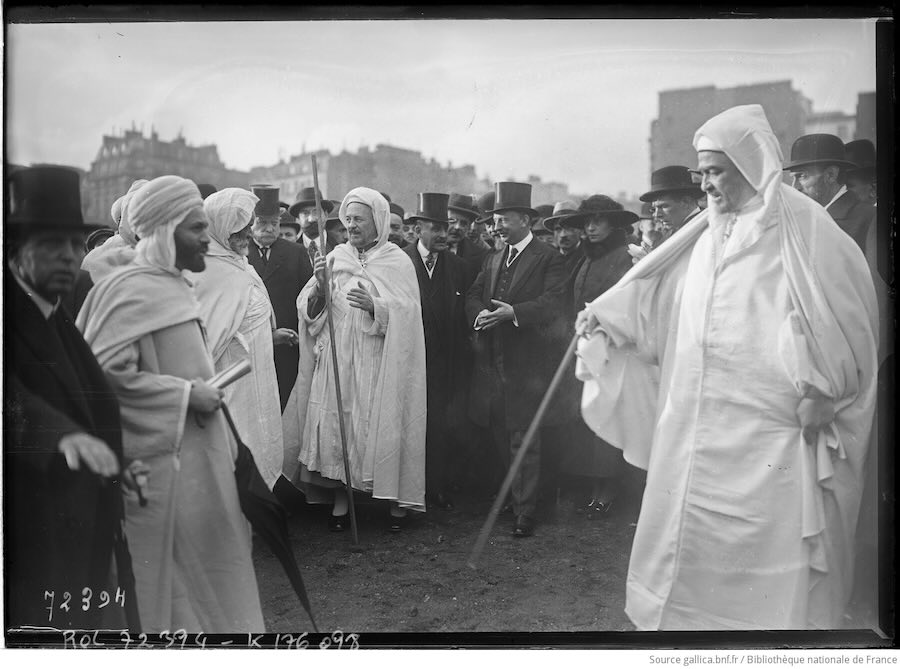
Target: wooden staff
320	214
523	449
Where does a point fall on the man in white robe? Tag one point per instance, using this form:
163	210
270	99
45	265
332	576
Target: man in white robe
240	323
736	364
190	543
381	360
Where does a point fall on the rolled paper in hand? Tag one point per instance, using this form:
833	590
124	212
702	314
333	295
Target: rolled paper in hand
231	374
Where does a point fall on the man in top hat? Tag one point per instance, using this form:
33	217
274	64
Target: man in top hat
673	197
285	268
819	167
304	210
515	307
288	227
62	439
443	281
861	179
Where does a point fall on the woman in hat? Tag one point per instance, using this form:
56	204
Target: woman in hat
607	227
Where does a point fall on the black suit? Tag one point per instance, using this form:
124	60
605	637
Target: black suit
514	365
61	527
447	359
285	273
853	216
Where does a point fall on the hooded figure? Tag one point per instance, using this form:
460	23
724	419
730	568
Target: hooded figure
381	361
118	250
189	539
236	311
736	364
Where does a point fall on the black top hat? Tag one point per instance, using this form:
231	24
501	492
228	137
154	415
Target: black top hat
671	179
332	222
397	209
862	153
561	211
464	204
268	200
818	149
307	198
46	197
206	190
485	204
512	196
432	207
601	205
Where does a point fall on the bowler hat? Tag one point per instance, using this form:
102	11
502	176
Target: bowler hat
284	218
97	237
432	207
671	179
307	198
512	196
332	222
601	205
206	190
268	200
396	209
862	153
46	197
485	204
464	204
818	149
560	211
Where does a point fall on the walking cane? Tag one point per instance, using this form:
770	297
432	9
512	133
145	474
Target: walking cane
523	449
320	214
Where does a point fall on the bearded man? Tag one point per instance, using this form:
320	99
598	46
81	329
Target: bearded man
736	364
190	541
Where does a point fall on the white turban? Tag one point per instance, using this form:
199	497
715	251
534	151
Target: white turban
154	211
745	136
124	227
381	210
228	210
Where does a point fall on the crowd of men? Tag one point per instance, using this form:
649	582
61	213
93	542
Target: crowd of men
728	345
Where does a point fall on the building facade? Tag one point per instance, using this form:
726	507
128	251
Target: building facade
398	172
123	159
681	112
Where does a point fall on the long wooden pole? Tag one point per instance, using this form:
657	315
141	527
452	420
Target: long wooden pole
523	449
320	214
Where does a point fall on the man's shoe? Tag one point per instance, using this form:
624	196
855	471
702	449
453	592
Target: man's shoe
339	523
524	527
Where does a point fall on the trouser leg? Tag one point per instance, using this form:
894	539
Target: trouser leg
527	478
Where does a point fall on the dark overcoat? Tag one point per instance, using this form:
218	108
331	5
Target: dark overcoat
518	362
447	355
285	273
60	526
853	216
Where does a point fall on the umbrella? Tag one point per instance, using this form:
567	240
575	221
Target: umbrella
266	515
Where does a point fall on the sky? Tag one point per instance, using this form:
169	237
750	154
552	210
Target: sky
567	100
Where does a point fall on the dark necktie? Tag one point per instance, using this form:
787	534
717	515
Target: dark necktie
264	252
313	249
513	252
429	261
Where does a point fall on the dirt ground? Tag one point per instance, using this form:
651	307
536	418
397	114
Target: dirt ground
570	576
